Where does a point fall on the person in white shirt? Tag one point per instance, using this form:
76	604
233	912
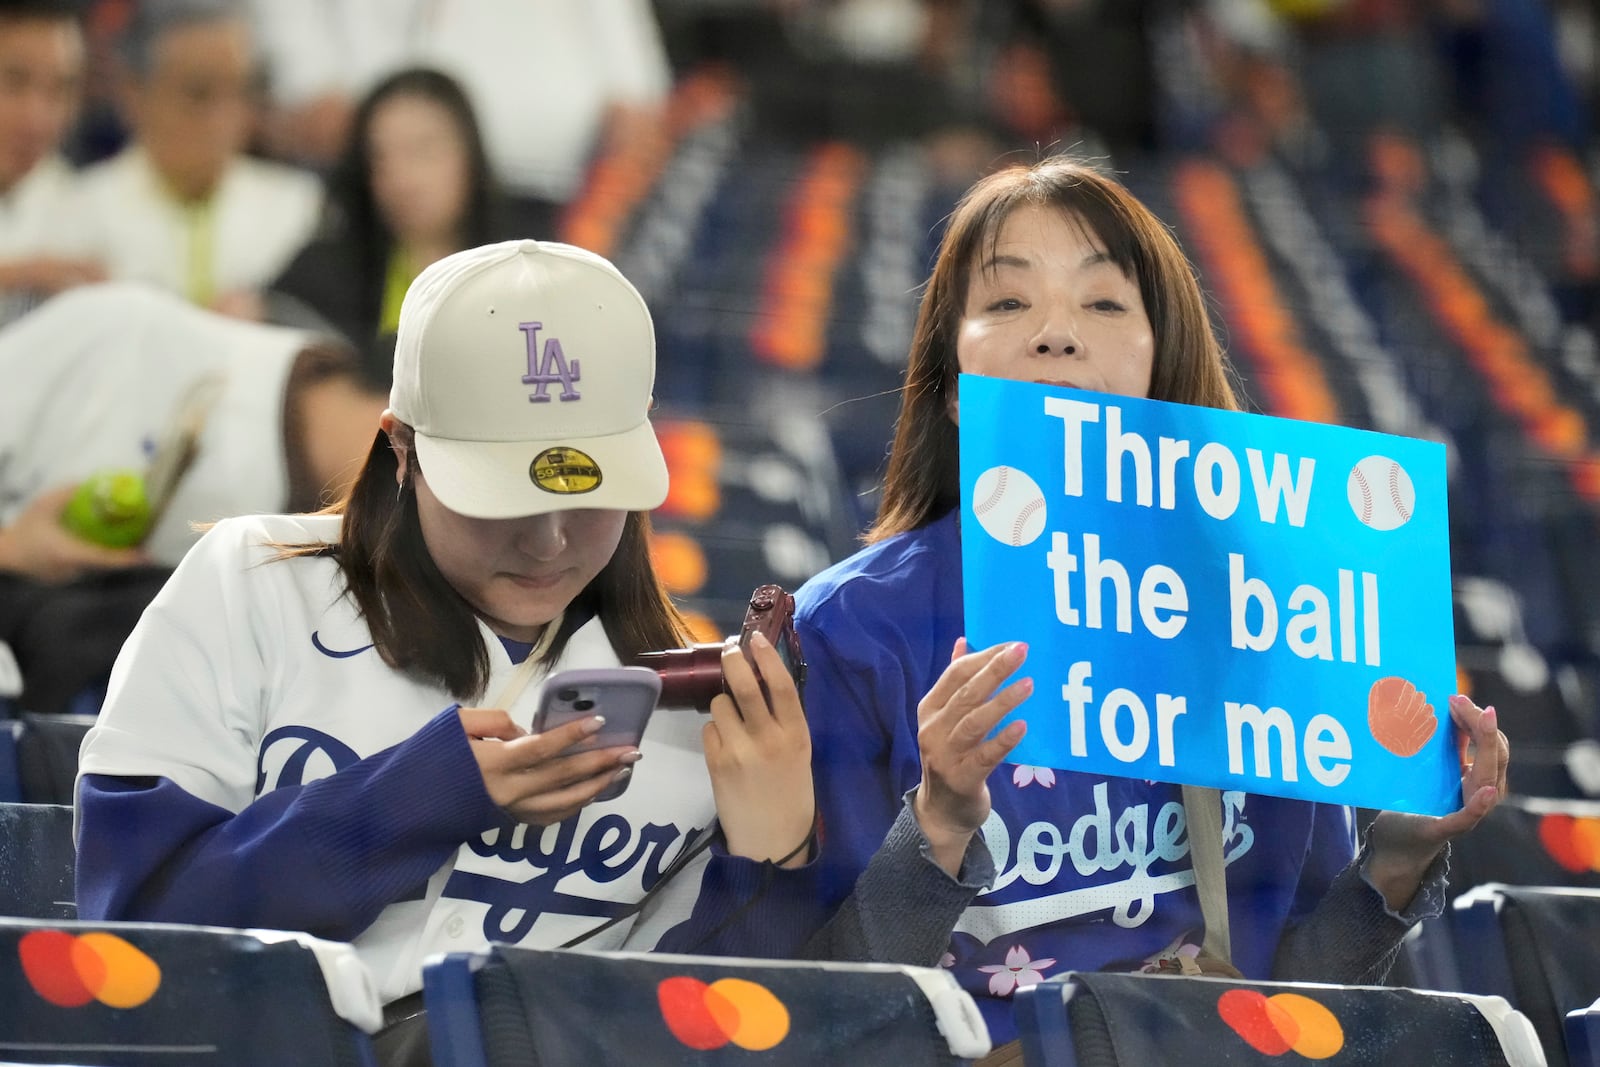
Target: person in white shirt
183	207
326	723
94	379
41	73
550	81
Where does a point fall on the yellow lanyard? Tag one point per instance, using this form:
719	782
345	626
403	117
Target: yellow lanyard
396	280
199	220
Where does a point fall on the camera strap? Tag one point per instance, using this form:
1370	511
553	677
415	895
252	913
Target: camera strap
675	868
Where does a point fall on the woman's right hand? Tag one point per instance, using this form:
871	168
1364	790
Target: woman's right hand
532	777
953	724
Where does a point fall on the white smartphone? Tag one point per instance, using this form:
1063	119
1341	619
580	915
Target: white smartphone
625	696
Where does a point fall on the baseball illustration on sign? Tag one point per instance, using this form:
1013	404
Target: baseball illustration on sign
1214	597
1381	493
1010	506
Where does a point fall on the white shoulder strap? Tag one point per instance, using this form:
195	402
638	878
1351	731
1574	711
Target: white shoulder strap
518	680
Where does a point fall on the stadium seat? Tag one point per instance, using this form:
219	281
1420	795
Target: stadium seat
10	773
36	861
1112	1020
1583	1036
143	994
514	1006
1529	841
1535	946
47	755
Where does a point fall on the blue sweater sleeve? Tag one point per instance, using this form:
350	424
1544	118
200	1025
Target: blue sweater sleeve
324	857
748	908
864	757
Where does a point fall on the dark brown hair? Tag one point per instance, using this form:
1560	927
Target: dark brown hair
1189	366
422	626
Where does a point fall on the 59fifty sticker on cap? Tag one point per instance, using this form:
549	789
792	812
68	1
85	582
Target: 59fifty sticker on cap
564	470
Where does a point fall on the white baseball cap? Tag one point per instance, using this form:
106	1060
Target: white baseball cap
526	370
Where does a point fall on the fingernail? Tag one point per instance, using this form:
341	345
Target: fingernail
759	638
620	775
593	725
1460	701
1017	652
1025	686
631	757
1491	716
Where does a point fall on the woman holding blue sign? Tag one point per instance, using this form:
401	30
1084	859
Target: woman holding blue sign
1055	274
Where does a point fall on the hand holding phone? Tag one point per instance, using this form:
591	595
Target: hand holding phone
624	696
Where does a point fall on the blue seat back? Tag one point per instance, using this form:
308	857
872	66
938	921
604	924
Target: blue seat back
1537	946
1583	1036
47	755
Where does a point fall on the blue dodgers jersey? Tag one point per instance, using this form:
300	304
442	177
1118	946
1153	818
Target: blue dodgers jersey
1092	872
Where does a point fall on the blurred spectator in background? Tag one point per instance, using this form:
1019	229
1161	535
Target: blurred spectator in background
42	249
1509	80
1578	40
182	207
870	72
414	186
286	418
1094	59
1366	64
549	81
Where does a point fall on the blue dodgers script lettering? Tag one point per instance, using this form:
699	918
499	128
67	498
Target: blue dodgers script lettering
557	854
1123	845
298	744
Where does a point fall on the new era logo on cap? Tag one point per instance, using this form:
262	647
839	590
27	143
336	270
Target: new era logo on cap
526	369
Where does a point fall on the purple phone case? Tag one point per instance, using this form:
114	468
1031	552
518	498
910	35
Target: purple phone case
626	696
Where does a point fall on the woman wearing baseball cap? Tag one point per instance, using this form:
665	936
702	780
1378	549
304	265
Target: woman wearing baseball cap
322	722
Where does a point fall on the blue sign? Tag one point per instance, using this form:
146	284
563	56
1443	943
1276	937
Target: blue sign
1214	597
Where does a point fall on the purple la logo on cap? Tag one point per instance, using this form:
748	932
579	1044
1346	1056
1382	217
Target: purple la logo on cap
547	368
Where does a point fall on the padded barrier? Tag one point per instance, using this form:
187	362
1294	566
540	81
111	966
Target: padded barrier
514	1007
1122	1020
149	994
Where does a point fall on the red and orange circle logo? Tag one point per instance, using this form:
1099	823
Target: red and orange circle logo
707	1017
1572	841
1282	1023
69	971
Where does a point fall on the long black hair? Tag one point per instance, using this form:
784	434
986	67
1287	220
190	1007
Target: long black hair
355	215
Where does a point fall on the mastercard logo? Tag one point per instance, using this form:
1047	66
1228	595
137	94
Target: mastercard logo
1572	841
733	1010
69	971
1287	1022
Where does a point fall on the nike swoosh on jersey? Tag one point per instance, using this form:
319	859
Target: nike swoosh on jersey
331	653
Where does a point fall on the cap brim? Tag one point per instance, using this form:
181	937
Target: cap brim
500	479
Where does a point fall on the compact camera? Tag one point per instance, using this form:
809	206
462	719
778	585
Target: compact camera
691	677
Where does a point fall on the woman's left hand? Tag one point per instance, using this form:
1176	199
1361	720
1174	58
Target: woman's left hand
758	750
1403	846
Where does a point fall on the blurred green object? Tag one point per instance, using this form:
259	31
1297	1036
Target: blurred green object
110	508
